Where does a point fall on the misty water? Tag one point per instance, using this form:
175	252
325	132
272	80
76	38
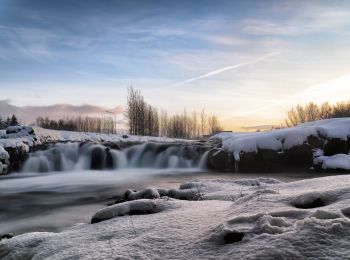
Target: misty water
65	184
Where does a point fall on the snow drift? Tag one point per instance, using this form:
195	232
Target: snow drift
234	219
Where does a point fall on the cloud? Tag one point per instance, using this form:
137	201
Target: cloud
28	114
215	72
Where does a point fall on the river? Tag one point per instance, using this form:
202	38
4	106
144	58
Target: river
56	200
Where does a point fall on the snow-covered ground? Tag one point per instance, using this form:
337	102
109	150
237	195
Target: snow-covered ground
31	136
233	219
64	136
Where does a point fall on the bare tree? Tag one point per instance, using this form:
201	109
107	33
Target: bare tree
203	122
214	125
311	112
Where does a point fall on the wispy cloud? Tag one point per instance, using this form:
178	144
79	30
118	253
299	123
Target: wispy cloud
218	71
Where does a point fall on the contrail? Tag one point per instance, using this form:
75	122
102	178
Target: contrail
215	72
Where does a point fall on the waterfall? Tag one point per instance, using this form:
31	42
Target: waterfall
204	161
95	156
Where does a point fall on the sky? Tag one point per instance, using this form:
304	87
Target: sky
247	62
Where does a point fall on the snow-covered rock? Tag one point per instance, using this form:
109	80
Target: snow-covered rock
335	162
281	139
18	131
238	219
148	193
136	207
289	145
4	160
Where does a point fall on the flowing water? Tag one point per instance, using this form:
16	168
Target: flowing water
85	156
66	183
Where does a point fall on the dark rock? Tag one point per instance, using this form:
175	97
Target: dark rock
112	145
127	144
300	155
315	203
261	161
315	142
335	146
98	158
220	159
6	236
17	157
233	237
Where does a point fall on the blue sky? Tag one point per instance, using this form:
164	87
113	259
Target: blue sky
246	61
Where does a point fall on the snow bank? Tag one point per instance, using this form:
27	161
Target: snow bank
284	139
26	137
65	136
236	219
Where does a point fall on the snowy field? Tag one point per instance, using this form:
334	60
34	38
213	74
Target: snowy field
230	219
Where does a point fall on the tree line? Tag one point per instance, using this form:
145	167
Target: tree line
9	121
105	124
311	112
145	119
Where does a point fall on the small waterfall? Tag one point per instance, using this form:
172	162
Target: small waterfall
95	156
204	161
